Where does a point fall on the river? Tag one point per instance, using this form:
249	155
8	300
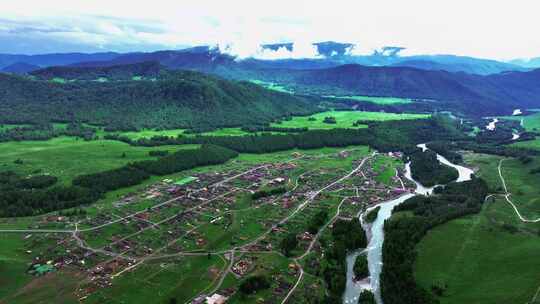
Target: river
492	123
376	235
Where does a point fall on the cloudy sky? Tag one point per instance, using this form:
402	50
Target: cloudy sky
490	29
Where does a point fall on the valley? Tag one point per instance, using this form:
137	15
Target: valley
284	174
212	220
214	227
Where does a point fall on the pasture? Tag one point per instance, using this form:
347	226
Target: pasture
488	257
344	119
375	100
67	157
272	86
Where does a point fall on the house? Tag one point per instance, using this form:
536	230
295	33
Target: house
344	154
216	299
278	180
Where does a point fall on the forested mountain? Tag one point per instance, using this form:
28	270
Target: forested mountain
148	69
481	67
198	58
329	54
467	93
428	79
452	63
179	100
19	68
46	60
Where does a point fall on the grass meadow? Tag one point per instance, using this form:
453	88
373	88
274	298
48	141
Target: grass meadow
479	258
376	100
344	119
67	157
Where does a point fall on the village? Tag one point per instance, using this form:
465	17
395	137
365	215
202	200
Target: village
240	215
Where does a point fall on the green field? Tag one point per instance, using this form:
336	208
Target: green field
531	144
13	260
10	126
160	281
530	122
386	168
478	258
479	263
272	86
67	157
376	100
185	180
344	119
148	133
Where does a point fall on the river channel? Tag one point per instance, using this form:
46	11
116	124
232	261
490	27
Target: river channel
375	234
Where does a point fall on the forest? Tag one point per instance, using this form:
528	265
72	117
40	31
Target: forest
22	196
45	131
426	169
181	99
346	237
146	69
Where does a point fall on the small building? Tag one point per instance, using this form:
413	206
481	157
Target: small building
344	154
216	299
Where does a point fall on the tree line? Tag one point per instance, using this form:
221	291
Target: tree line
383	136
45	131
20	196
23	196
426	169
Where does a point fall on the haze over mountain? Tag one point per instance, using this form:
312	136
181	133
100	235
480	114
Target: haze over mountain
327	54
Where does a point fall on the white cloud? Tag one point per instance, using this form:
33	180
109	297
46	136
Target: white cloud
498	29
300	50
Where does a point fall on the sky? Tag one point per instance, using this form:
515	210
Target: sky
494	29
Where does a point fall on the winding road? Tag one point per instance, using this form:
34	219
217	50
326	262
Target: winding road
507	197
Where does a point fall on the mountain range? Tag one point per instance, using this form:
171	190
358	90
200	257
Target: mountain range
329	54
435	82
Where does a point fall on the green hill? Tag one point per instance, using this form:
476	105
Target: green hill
179	99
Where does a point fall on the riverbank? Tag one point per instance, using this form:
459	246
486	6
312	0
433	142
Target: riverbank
375	232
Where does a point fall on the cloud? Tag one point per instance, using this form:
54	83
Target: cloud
459	27
299	50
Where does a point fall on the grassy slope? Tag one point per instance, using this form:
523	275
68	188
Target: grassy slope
376	100
530	123
179	279
344	119
13	260
386	168
272	86
479	263
148	133
67	157
475	257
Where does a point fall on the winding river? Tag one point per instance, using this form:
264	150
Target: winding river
376	235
